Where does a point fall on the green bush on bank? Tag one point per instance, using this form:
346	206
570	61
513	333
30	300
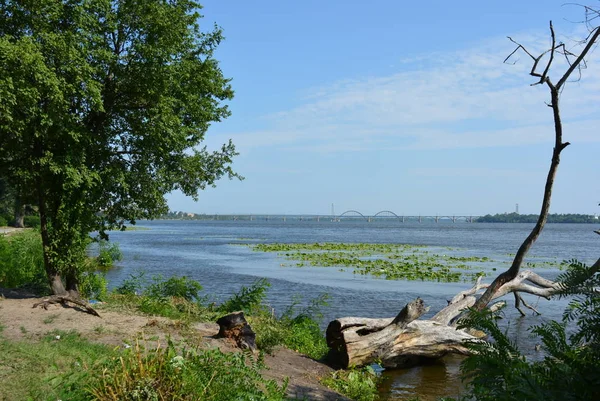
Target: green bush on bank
22	265
63	365
32	221
108	254
178	298
570	369
22	261
169	374
357	384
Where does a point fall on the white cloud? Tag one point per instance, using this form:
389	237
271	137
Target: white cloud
466	99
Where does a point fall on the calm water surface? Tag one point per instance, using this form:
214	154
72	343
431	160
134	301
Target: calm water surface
215	254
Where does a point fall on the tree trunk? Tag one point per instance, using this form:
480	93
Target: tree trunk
54	278
56	284
396	342
72	282
19	213
404	341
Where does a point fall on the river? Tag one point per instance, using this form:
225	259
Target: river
215	253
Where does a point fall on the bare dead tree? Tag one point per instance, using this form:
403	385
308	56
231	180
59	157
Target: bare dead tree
405	340
575	62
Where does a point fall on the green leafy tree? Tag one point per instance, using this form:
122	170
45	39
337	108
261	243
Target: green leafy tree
103	104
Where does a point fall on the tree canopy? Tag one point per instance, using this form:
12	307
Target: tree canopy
103	104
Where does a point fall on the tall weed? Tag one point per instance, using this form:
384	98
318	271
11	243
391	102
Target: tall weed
22	261
249	299
166	374
357	384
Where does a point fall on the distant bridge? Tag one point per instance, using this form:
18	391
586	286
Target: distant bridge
387	214
347	215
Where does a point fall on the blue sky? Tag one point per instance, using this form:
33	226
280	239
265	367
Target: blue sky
401	106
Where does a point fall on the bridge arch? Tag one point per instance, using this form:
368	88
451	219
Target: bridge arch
386	213
352	213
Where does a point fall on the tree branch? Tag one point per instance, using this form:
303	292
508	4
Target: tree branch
593	37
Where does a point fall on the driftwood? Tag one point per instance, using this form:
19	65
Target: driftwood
405	341
64	300
235	327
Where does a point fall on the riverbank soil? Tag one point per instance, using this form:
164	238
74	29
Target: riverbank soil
21	322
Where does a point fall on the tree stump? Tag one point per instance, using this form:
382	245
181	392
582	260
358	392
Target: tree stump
235	327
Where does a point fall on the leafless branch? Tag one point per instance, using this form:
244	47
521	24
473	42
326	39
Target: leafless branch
591	40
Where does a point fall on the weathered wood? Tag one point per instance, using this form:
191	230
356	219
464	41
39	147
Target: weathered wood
235	327
397	342
405	341
64	300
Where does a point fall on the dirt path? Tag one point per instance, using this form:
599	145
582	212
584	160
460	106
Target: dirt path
21	322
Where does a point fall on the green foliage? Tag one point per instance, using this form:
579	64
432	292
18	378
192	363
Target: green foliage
166	374
297	328
176	297
22	261
3	221
31	221
180	287
65	366
93	286
570	369
357	384
247	299
532	218
108	253
92	124
40	369
133	285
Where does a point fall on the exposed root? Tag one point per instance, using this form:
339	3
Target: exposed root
64	300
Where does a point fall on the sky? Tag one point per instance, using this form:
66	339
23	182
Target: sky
400	106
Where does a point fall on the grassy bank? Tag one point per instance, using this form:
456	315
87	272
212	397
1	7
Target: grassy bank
69	365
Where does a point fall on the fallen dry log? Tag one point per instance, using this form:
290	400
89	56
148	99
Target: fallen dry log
405	341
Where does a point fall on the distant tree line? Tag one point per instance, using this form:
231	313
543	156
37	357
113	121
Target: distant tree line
532	218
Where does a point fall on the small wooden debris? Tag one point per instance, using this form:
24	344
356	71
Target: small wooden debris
235	327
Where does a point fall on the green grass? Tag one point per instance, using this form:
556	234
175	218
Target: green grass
50	319
22	262
357	384
64	366
182	374
31	370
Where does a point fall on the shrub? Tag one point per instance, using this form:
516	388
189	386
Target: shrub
133	285
31	221
176	297
249	299
571	368
181	287
108	253
165	374
93	286
357	384
22	261
3	221
297	328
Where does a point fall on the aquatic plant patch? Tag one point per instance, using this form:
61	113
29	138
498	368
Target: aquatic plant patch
389	261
